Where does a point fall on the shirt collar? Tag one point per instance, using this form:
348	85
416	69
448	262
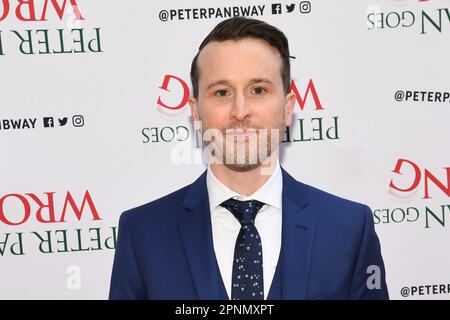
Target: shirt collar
270	192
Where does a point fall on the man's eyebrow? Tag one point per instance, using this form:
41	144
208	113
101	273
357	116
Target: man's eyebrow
217	82
258	80
226	82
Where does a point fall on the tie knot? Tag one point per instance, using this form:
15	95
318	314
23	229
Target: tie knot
244	211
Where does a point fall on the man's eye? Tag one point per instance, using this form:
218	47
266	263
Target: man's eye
259	90
222	93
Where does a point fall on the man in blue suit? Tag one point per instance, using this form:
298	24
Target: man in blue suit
246	229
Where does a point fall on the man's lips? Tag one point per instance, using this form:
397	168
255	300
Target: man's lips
249	131
241	132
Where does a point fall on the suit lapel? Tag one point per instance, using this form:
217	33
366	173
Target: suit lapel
296	243
196	234
298	226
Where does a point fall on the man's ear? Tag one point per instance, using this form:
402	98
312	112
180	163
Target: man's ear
289	108
194	108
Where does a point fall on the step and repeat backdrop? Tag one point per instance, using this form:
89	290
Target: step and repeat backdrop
94	120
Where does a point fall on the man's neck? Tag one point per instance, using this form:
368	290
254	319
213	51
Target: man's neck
242	182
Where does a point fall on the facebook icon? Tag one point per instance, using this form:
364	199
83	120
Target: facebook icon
276	8
48	122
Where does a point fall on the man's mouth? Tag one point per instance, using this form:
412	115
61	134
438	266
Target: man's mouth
249	132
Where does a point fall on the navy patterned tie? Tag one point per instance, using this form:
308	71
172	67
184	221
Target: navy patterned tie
247	277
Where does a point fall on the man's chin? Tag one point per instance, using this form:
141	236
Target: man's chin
242	167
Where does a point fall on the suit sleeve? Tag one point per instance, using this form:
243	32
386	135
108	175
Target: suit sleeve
126	281
369	277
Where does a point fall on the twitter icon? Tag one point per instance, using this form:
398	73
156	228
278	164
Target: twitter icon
290	7
62	122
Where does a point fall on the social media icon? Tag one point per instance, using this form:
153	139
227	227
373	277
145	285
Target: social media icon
290	7
78	121
62	122
48	122
305	7
276	8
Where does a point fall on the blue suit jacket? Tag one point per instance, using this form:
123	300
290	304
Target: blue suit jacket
165	248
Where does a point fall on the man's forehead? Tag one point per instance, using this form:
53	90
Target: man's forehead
233	60
247	44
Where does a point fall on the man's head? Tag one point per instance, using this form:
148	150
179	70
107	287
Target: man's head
239	28
241	80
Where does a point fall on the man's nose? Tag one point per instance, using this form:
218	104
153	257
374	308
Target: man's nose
240	109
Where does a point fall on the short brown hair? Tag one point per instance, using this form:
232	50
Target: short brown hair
238	28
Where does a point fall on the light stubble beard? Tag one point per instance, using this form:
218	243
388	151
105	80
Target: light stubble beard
243	153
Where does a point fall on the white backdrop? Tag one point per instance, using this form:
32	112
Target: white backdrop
378	69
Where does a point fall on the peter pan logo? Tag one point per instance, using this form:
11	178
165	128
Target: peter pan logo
28	10
70	38
409	171
52	209
409	180
428	20
22	207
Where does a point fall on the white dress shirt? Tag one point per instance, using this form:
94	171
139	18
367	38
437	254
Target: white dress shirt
225	227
